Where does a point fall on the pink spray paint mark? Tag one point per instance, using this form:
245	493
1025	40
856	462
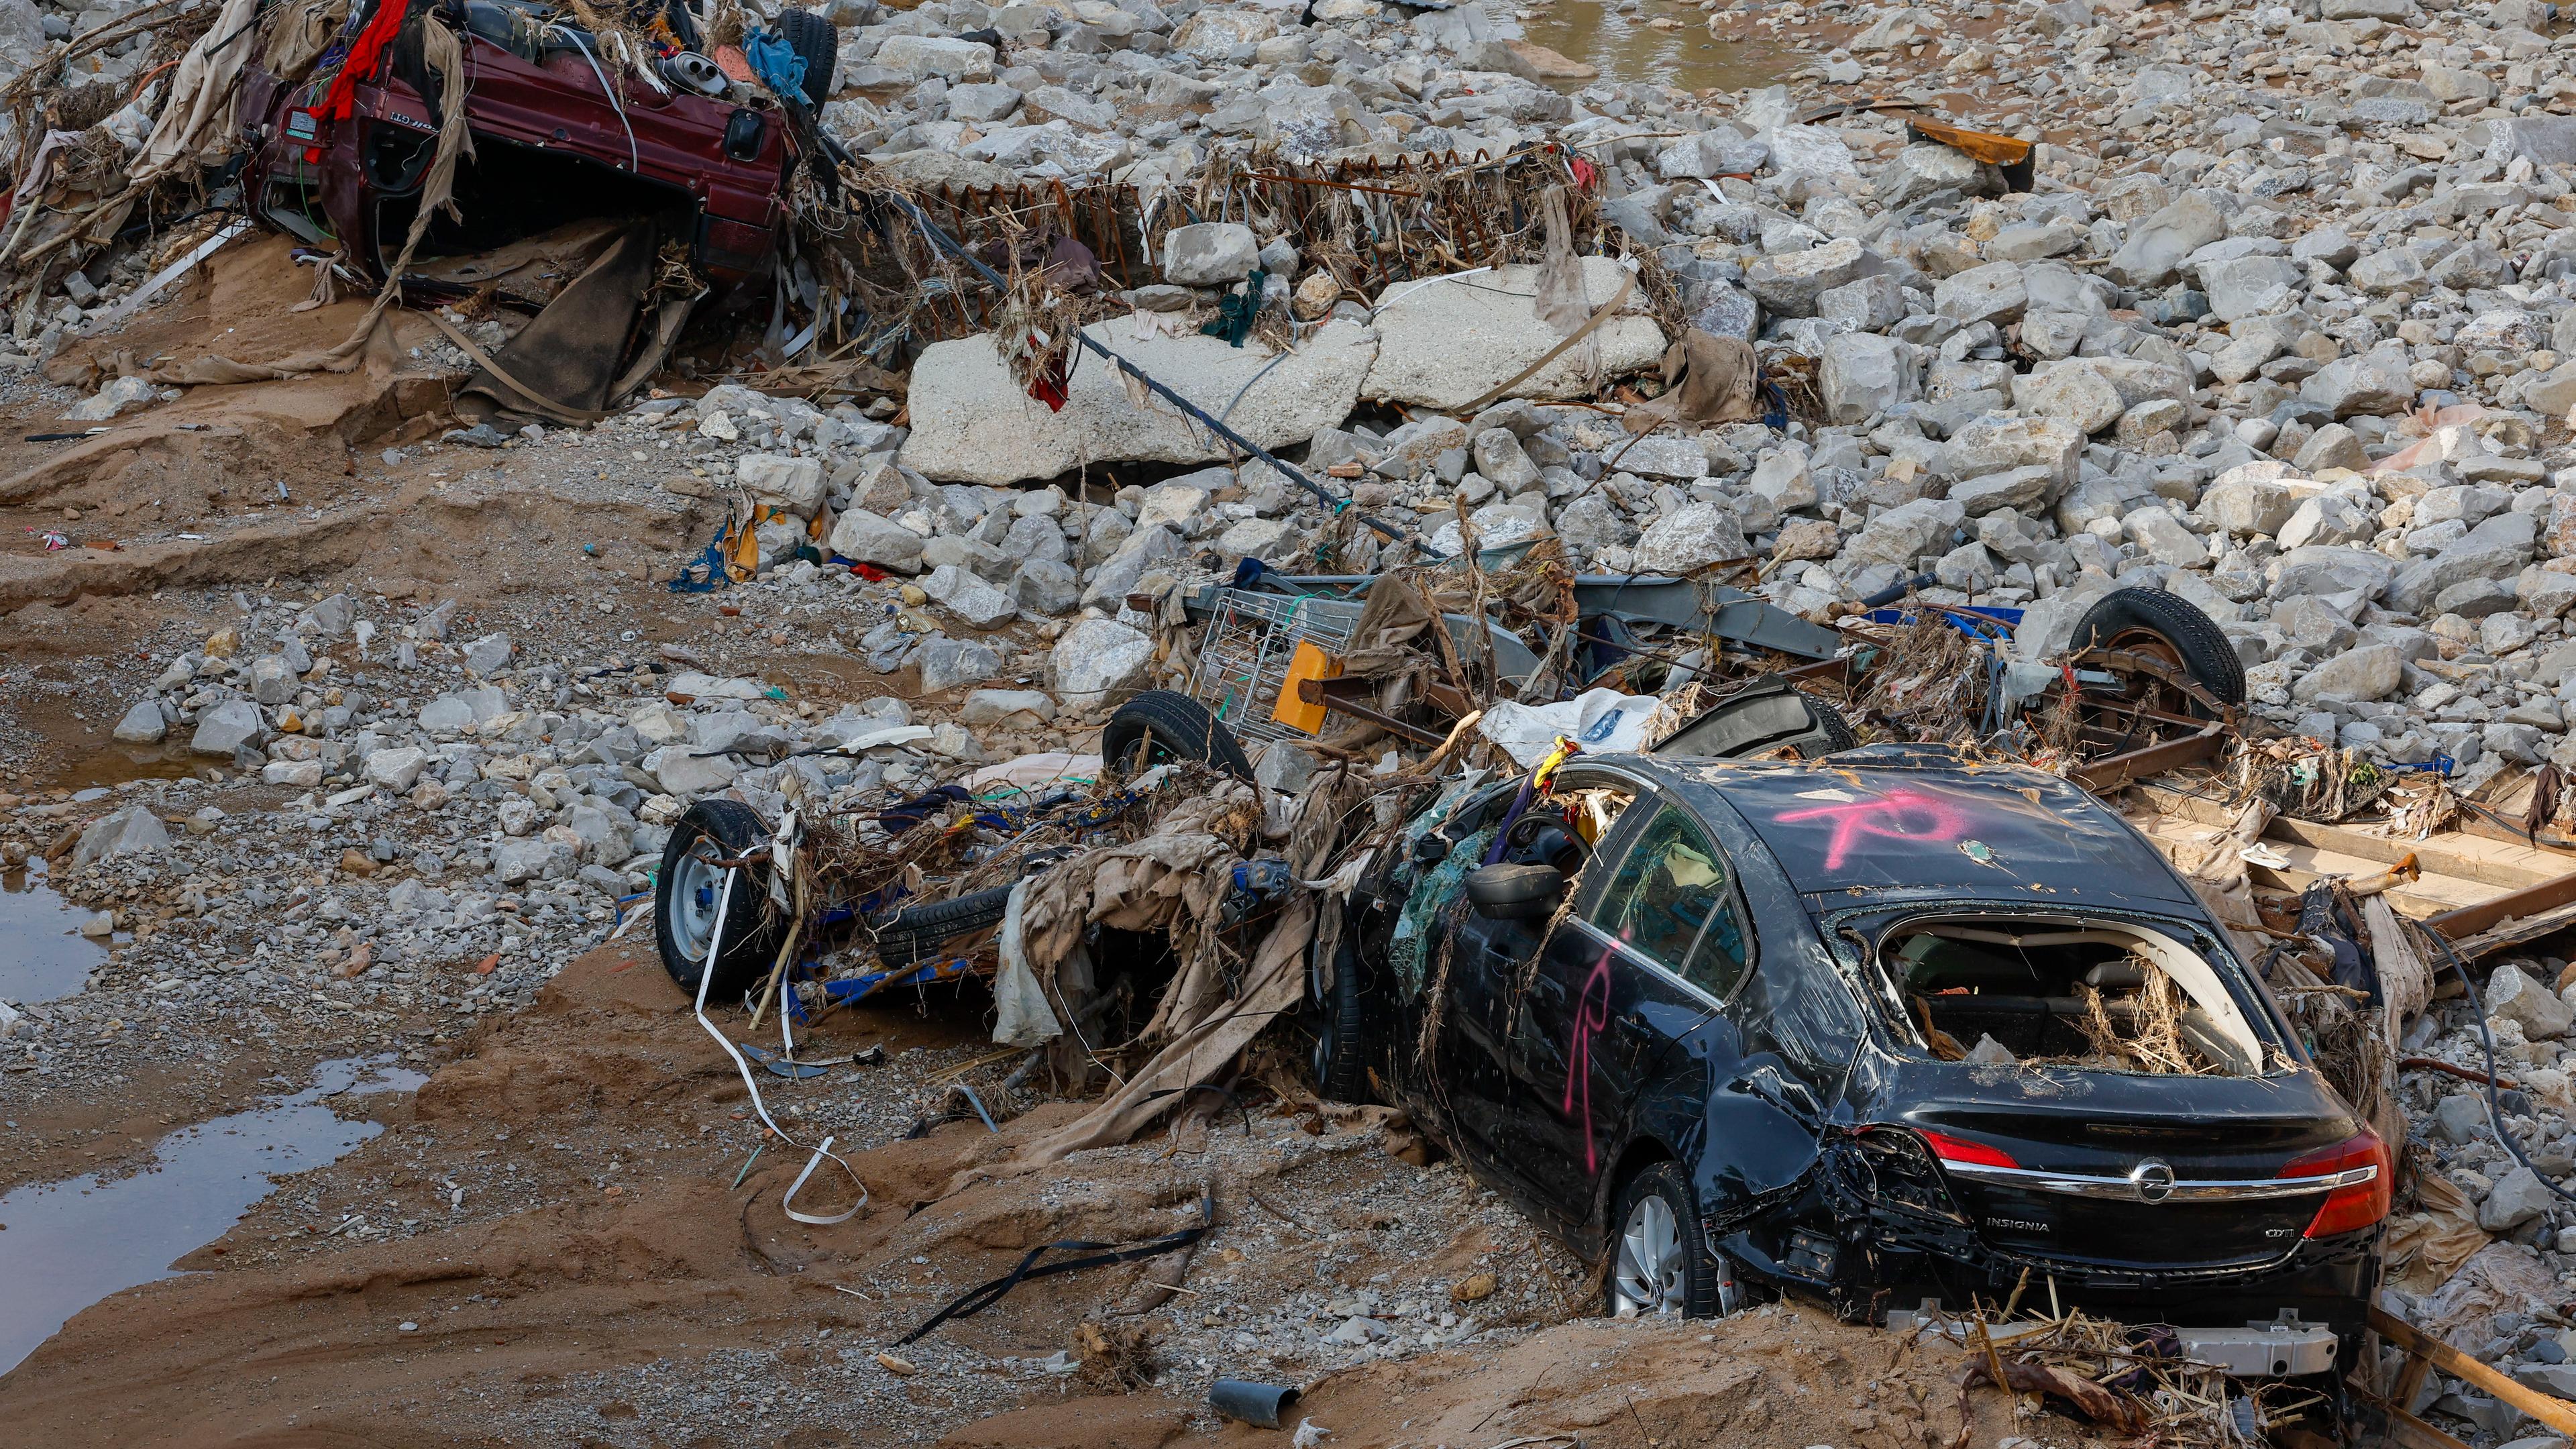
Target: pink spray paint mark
1591	1014
1897	815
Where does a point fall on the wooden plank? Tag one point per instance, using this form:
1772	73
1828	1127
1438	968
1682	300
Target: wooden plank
2508	864
2514	933
2432	895
2469	920
2405	1431
2549	1409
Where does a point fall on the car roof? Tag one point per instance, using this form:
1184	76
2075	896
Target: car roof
1914	821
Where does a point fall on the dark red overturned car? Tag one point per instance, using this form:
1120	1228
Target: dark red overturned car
552	145
1877	1027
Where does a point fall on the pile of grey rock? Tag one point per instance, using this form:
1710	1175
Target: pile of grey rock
2296	346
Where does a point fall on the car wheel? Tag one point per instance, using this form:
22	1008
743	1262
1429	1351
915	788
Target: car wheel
1661	1260
1339	1059
818	42
2169	627
1160	726
908	935
685	900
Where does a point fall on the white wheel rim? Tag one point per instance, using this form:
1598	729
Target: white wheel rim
695	888
1650	1277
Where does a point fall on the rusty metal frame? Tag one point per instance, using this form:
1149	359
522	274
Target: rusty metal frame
2104	775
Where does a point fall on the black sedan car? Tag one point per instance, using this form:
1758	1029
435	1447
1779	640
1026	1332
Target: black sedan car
1880	1027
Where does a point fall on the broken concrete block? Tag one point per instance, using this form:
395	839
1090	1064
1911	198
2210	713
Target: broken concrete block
1446	342
971	423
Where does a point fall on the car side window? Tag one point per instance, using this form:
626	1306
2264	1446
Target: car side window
1673	901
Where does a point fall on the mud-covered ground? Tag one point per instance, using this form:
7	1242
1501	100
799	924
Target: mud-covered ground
555	1240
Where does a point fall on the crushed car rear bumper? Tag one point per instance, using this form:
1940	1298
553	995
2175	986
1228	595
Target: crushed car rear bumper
2283	1346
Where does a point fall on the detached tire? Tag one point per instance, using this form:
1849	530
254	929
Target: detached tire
817	42
1830	722
917	932
1660	1260
1339	1060
2156	622
685	901
1160	726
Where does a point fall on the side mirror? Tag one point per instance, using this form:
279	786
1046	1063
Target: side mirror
1515	892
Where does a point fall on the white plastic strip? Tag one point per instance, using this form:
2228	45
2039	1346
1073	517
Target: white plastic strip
706	974
133	301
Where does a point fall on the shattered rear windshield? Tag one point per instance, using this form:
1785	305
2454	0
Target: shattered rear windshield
2097	994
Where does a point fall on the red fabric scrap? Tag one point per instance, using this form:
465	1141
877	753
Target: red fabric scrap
364	53
1049	386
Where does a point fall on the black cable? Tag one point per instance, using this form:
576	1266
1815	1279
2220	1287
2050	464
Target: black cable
2486	1038
975	1300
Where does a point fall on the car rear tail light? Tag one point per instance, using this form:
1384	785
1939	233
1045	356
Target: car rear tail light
2356	1205
1965	1152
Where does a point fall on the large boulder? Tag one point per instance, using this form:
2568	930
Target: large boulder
2157	245
969	597
1210	253
2248	506
2001	441
144	724
2369	672
1993	293
924	56
2375	382
2092	392
685	773
1691	538
1097	660
227	727
2495	549
1906	533
792	484
971	423
2252	286
1790	283
1865	374
2331	569
871	538
2517	997
1445	343
134	830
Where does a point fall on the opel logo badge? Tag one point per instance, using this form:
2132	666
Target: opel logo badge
2152	1180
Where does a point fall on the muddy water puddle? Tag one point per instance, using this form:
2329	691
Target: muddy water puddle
43	955
66	1245
1625	46
93	774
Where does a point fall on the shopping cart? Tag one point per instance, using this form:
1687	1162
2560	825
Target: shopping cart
1245	652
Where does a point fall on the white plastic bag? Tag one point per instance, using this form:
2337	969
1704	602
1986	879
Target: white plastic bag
1602	721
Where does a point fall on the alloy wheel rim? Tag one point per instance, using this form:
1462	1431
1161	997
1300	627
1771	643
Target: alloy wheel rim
1651	1266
